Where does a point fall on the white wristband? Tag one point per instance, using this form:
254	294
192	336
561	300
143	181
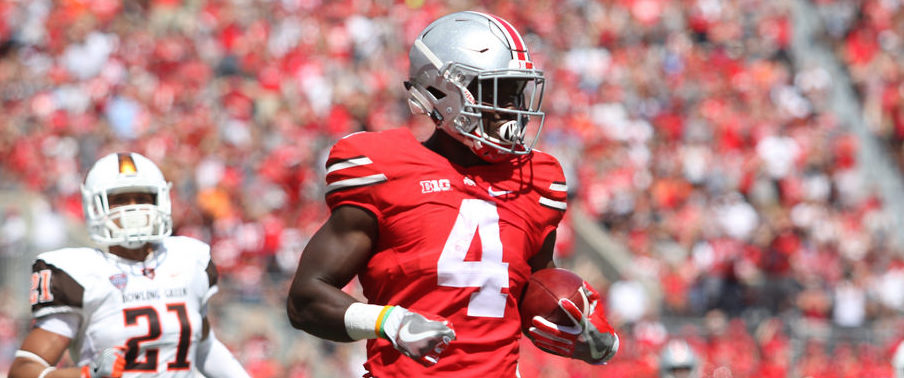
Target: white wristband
361	320
46	371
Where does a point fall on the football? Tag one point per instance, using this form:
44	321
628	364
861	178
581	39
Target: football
542	293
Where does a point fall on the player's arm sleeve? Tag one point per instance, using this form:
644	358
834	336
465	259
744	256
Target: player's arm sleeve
352	174
54	291
215	360
63	324
205	275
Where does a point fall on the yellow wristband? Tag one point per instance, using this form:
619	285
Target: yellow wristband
381	320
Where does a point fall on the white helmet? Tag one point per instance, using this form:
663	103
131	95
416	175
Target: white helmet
460	64
130	226
678	359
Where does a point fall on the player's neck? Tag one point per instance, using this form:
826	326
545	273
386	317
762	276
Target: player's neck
136	254
453	150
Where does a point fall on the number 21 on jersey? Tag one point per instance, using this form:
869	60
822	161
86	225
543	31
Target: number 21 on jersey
149	363
40	287
490	273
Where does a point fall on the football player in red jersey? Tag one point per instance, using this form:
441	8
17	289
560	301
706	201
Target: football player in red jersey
138	308
444	234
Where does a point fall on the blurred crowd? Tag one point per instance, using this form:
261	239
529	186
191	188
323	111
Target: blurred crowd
685	127
867	37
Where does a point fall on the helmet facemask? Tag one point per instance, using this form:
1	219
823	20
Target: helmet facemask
500	114
511	94
129	226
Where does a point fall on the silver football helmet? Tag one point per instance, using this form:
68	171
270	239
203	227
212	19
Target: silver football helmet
468	66
133	225
678	360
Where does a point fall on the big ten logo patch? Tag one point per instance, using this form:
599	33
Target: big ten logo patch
431	186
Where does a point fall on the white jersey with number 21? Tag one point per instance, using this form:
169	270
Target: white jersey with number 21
154	308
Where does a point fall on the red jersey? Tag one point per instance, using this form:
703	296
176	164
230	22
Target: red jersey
453	241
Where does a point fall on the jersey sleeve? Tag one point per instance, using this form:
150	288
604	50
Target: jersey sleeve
552	189
196	254
207	273
351	174
53	290
63	324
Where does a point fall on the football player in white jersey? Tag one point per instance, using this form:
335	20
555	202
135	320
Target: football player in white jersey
137	309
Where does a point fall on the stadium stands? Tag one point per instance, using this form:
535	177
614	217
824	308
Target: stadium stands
688	132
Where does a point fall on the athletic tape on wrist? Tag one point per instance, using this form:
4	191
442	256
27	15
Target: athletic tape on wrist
31	356
46	371
361	320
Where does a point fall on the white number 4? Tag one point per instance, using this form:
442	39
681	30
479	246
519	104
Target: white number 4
490	274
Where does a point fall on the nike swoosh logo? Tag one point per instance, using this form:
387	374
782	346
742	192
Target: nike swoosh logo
407	336
494	193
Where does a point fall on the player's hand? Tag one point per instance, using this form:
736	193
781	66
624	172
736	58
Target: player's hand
417	337
590	337
110	363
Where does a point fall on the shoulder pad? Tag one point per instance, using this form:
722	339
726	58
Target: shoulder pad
198	251
58	279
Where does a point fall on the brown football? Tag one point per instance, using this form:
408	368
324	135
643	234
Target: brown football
542	293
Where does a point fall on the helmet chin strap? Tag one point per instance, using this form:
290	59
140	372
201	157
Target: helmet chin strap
488	153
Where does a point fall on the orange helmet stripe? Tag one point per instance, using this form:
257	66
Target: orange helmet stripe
126	164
